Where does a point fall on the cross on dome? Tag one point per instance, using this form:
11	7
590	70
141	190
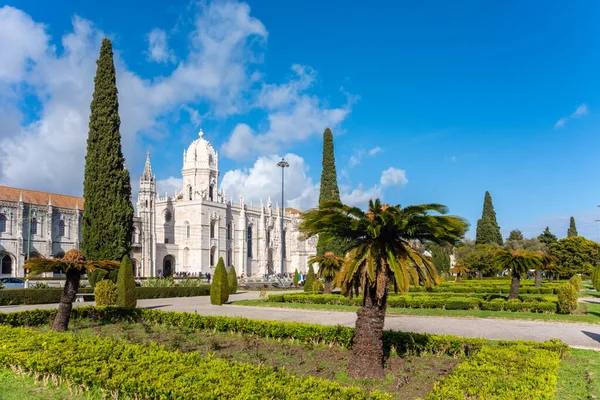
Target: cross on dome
201	134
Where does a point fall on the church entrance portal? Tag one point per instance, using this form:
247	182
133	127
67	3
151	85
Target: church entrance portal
168	266
6	264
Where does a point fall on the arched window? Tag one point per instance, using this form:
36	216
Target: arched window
249	242
168	216
212	256
229	257
268	236
146	203
61	228
34	224
2	223
229	231
210	192
212	229
5	264
190	191
187	230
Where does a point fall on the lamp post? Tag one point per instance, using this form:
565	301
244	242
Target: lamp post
283	164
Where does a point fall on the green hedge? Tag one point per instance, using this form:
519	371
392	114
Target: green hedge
395	342
524	304
511	372
458	288
150	371
52	295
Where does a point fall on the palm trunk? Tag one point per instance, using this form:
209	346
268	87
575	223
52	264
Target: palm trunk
515	284
538	277
61	321
327	287
458	276
366	361
551	276
480	274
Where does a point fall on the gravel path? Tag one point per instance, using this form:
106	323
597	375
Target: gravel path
576	335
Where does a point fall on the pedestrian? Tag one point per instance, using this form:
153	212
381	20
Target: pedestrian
208	276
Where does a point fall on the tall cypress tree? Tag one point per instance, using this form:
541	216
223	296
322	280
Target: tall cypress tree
488	231
108	213
547	237
572	228
329	189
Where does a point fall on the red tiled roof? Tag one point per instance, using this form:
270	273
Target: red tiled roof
40	198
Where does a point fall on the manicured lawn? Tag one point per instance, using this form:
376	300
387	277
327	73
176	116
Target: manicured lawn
23	387
579	376
592	316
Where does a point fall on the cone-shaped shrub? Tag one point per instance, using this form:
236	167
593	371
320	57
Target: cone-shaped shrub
232	278
105	293
126	295
296	278
219	288
596	278
310	278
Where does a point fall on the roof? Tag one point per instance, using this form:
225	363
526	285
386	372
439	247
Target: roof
40	198
290	210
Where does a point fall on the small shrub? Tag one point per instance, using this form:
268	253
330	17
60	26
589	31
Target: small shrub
576	282
232	280
492	305
296	278
567	299
318	286
310	278
219	288
159	282
105	293
126	294
461	303
40	285
516	305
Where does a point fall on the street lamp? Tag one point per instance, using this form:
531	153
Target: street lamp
283	164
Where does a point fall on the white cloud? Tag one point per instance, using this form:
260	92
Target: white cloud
375	150
356	158
294	116
581	111
171	186
359	197
393	177
158	49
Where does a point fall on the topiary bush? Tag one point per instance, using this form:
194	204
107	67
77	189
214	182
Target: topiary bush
310	278
105	293
596	278
576	282
219	288
126	294
318	286
567	298
296	278
232	280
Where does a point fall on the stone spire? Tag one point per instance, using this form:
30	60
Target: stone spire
147	175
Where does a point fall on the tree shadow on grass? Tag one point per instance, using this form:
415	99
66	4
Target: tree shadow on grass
595	336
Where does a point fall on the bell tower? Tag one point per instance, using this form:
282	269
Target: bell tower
146	209
200	171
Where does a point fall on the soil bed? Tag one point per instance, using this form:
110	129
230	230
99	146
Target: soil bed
408	377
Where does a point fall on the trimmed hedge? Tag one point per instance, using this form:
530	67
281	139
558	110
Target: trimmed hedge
525	304
150	371
46	296
395	342
512	372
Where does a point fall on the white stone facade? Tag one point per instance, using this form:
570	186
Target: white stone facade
187	233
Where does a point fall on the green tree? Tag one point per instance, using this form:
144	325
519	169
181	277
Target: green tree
547	237
596	278
232	280
310	278
380	250
126	294
460	270
219	287
296	278
73	264
548	264
576	255
488	231
329	266
479	258
440	255
107	221
329	191
515	234
572	231
518	262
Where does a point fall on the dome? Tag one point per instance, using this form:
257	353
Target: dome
200	154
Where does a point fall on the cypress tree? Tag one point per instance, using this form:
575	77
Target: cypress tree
488	231
126	295
108	213
232	280
516	235
572	228
329	190
219	287
547	237
310	278
296	277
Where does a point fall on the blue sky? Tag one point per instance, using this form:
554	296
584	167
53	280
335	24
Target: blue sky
429	101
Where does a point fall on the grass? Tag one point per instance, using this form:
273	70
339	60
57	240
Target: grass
407	377
579	376
14	386
592	316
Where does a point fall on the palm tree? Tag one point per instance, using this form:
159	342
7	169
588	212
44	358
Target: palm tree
519	262
459	270
548	264
378	245
329	266
73	264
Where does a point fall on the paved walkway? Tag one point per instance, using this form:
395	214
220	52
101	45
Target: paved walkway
574	334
